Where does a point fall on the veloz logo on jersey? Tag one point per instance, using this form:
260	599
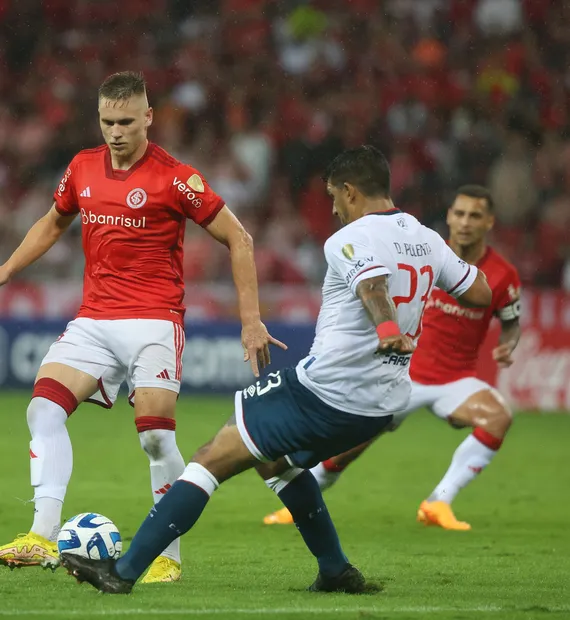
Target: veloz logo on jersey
136	198
63	182
186	191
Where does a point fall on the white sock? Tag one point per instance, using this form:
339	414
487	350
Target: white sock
278	483
166	465
51	462
470	458
324	477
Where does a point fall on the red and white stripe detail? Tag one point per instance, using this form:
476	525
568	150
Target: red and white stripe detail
179	341
466	275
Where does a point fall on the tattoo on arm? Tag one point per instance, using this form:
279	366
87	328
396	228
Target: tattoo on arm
373	292
510	332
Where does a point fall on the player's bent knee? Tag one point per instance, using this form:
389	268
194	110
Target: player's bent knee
278	482
273	469
55	392
486	410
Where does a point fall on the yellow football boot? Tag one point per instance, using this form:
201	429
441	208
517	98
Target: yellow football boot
163	570
30	550
440	514
280	517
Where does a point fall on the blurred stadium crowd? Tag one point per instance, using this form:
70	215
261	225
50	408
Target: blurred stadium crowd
260	94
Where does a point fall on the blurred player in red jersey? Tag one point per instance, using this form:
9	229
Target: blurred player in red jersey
443	367
133	200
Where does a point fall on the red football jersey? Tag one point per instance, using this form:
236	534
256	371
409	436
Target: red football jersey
133	224
452	334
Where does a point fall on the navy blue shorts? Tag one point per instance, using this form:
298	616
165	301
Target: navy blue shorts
278	416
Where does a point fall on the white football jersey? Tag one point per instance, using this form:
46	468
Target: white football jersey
342	368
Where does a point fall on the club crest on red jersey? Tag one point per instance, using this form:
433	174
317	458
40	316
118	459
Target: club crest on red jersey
136	198
195	182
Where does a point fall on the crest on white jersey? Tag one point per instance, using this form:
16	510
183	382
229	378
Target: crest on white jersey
86	193
348	251
136	198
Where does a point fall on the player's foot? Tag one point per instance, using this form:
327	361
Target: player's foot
30	550
440	514
100	574
351	581
163	570
280	517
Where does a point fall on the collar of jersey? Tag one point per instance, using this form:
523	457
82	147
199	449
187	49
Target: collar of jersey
389	212
123	175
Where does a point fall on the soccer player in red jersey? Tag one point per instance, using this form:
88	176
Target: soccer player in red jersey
133	200
443	366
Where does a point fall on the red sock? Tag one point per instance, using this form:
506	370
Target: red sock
332	467
488	440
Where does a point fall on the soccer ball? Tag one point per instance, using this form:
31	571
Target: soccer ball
90	535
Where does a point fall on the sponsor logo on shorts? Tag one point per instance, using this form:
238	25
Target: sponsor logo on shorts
88	217
136	198
187	192
272	380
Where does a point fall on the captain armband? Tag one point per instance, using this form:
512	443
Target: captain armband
510	312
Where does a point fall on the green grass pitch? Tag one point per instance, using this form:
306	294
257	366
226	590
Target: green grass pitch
515	564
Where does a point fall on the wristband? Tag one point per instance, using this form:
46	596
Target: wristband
387	329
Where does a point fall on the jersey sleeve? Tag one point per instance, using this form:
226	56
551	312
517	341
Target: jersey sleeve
355	260
195	197
508	306
65	196
456	276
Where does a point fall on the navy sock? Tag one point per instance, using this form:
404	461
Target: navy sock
304	500
173	516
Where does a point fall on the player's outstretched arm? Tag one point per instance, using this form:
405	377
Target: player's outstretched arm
40	238
227	229
478	295
379	305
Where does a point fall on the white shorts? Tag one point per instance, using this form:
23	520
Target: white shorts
144	352
444	399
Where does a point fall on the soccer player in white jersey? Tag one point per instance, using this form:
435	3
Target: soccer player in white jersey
344	392
444	365
133	200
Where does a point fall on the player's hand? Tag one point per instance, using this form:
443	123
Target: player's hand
503	355
255	340
400	345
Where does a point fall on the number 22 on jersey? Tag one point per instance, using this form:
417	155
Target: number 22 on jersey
426	276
